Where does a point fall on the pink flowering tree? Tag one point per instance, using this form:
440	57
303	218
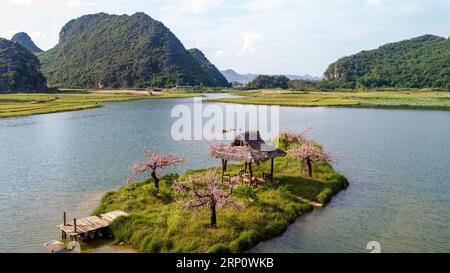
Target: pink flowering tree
289	137
205	191
309	152
154	161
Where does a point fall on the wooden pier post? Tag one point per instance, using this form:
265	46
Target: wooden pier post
271	170
87	227
63	233
250	173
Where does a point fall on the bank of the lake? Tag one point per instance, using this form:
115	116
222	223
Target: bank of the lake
401	99
157	222
25	104
396	161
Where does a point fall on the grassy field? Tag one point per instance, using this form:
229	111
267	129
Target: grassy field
158	224
381	99
23	104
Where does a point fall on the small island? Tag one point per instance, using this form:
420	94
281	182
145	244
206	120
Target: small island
226	209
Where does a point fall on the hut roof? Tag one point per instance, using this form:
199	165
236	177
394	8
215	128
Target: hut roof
248	147
246	138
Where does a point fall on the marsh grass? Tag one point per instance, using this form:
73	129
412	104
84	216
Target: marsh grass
158	224
427	99
22	104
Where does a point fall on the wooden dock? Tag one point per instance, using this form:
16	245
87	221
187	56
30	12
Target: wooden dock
89	227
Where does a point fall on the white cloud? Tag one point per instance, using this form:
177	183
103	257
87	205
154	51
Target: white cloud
191	6
410	8
374	2
38	35
21	2
252	42
8	34
294	36
264	5
68	3
73	3
219	54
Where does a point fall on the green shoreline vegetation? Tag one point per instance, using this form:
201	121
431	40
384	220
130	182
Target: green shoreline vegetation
424	99
23	104
158	223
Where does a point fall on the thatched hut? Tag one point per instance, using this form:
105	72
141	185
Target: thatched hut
247	147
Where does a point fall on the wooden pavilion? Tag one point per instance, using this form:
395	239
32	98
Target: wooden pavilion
250	148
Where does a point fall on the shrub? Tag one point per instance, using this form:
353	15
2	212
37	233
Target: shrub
246	240
265	81
245	192
274	227
219	248
169	178
164	193
153	191
325	196
157	245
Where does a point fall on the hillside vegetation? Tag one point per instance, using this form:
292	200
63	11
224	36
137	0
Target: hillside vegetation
422	62
19	69
267	81
209	68
102	50
23	39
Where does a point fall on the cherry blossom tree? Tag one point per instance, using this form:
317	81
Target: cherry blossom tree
290	137
309	152
205	190
154	161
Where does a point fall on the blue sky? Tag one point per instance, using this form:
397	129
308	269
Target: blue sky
251	36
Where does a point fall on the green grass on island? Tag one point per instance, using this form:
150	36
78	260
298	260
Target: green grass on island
22	104
364	99
157	222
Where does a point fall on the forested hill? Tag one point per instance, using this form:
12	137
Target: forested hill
25	40
422	62
209	68
112	51
19	69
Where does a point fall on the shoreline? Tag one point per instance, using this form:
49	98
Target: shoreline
156	223
30	104
381	107
410	100
112	246
85	207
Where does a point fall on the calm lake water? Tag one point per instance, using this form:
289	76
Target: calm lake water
398	163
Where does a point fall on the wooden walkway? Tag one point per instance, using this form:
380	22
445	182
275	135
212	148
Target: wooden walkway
84	226
111	216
